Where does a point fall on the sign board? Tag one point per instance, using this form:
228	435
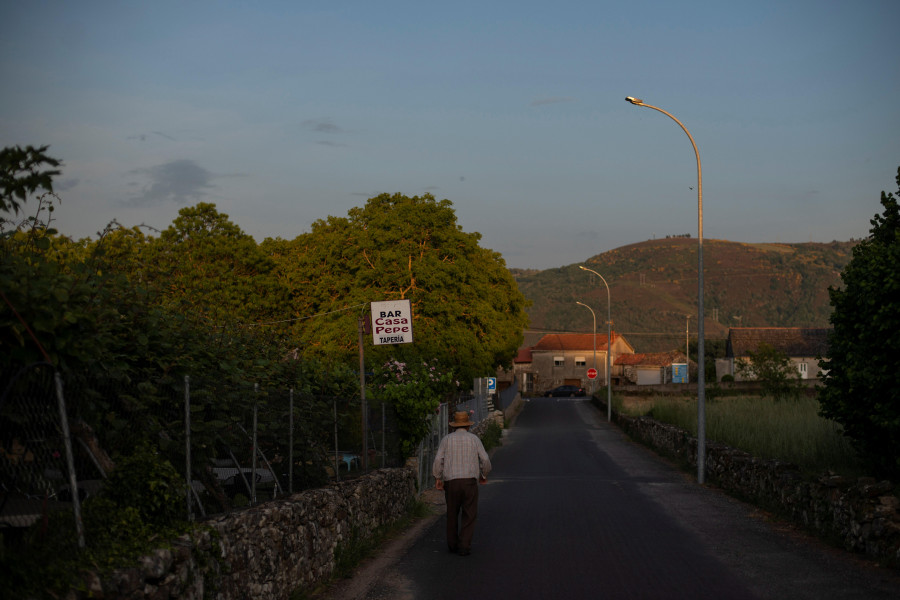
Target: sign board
592	373
392	322
492	384
679	373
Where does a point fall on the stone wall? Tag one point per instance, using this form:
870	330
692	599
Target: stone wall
267	551
863	515
495	416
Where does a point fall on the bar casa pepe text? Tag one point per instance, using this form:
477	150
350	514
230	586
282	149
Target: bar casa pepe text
392	322
391	326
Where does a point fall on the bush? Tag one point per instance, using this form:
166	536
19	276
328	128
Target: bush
150	484
491	436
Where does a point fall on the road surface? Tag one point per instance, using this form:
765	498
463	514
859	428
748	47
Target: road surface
574	509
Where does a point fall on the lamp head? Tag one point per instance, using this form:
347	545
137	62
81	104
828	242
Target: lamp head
633	100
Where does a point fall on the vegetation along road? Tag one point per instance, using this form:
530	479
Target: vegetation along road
574	509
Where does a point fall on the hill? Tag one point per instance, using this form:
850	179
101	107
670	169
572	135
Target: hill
653	289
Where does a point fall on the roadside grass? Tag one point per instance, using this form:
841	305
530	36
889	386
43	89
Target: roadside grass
790	431
350	554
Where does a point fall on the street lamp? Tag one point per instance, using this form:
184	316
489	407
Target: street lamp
595	342
701	380
608	347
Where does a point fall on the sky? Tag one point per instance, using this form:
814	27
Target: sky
284	113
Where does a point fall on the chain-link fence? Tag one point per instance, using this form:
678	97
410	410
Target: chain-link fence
478	404
227	447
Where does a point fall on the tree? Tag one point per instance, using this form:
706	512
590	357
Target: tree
780	378
204	265
21	175
859	390
468	313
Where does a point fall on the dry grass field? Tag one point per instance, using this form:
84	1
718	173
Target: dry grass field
790	431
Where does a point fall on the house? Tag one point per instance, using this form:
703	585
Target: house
564	359
802	345
651	368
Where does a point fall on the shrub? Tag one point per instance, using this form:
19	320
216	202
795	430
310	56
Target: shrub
149	483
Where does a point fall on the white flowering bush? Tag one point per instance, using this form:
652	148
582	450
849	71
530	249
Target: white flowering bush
415	390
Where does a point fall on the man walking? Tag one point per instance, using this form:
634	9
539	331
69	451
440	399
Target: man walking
460	464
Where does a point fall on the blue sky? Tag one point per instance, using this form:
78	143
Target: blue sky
282	113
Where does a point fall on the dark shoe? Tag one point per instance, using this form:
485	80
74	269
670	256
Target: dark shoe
464	551
452	549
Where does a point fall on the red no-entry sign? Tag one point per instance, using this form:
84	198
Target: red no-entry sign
592	373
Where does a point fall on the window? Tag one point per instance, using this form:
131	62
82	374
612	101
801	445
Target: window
559	361
580	362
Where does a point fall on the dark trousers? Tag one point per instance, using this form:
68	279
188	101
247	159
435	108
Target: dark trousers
462	510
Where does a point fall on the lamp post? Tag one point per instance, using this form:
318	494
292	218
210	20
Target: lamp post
595	341
701	383
608	342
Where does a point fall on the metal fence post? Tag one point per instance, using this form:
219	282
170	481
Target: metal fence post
337	470
187	444
253	450
70	459
291	442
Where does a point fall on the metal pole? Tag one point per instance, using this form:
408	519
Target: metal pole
608	352
291	442
253	458
595	343
701	358
337	469
362	395
687	351
187	444
608	341
70	459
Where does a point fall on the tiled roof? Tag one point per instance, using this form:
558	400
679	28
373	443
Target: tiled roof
524	356
572	341
652	359
793	341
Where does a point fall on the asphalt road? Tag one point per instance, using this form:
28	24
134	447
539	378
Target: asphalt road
573	509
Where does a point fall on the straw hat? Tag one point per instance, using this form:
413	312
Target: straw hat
461	419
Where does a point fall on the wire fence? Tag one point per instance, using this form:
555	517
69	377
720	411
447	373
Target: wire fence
479	405
229	446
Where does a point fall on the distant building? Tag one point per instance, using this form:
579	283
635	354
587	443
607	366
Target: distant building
564	359
803	346
650	368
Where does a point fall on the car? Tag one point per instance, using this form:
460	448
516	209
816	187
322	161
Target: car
566	391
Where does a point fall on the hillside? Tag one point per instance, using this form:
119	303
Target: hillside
653	288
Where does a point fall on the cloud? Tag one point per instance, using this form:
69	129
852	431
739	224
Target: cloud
323	125
556	100
331	144
143	136
65	184
179	181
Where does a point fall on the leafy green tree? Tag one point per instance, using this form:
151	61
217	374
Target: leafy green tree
22	174
204	265
779	376
467	310
859	390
